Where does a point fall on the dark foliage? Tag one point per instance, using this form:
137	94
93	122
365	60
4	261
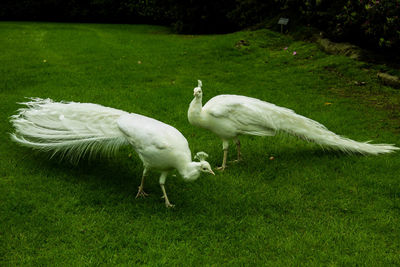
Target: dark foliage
370	23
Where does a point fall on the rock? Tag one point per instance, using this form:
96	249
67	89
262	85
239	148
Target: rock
360	83
345	49
389	80
241	43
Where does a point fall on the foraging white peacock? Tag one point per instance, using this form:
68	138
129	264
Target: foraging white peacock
229	116
76	129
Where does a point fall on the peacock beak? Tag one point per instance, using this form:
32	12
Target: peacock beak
212	172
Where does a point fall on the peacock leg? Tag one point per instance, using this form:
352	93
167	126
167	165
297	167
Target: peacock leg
225	146
140	192
239	155
162	182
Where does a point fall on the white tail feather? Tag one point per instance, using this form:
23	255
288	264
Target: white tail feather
69	129
314	131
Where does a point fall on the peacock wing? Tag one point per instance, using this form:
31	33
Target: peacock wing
143	132
248	115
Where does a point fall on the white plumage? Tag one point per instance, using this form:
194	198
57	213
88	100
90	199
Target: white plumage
74	130
229	116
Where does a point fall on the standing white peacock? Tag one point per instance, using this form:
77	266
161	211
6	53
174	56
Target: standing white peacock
76	129
229	116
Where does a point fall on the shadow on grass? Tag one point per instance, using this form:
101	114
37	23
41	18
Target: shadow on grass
108	183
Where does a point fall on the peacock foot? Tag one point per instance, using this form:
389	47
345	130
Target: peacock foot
222	168
169	205
141	193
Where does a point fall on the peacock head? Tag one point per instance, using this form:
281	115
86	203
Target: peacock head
195	168
204	165
197	91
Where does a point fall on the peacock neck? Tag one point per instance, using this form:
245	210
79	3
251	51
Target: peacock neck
194	112
190	171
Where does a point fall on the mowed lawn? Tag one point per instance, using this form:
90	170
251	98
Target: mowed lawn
307	205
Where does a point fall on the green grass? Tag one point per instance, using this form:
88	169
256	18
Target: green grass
307	206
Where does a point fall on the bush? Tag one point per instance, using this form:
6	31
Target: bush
371	23
201	16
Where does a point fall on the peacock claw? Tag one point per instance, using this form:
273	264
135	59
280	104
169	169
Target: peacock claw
220	168
169	205
141	193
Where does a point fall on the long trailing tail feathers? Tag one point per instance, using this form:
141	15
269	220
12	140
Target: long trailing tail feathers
313	131
68	129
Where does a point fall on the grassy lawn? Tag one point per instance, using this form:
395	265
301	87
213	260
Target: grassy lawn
305	206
